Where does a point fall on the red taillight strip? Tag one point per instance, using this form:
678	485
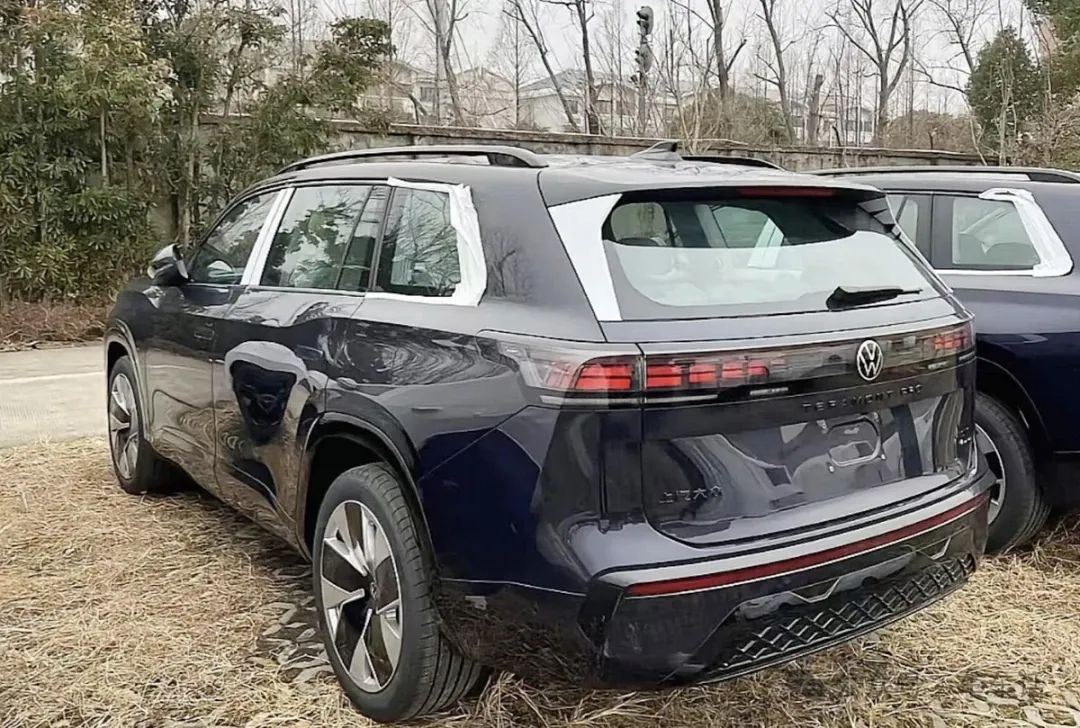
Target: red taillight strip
753	573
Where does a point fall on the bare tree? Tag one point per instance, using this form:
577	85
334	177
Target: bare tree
526	12
581	12
884	40
514	57
714	24
777	68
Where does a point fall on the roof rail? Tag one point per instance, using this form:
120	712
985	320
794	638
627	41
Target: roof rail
1035	174
497	155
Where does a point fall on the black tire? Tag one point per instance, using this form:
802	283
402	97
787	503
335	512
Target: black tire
151	474
1024	508
430	673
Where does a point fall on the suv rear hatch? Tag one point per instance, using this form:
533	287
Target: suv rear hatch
799	365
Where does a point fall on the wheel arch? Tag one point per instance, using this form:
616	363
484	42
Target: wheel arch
996	381
338	442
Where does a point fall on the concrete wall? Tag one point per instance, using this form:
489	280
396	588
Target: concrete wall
353	135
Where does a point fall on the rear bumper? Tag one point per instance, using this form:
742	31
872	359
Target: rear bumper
715	619
722	632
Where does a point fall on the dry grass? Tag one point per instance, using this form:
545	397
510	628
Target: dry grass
124	611
24	325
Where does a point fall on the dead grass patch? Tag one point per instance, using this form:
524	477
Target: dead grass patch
23	325
128	611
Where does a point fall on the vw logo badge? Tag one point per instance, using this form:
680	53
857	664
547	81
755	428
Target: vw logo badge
869	360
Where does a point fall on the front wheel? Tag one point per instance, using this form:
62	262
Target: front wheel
137	467
373	587
1018	508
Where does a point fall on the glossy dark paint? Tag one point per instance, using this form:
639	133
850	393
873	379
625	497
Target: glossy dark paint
536	516
1027	329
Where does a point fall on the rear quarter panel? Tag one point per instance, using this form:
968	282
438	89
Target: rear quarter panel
1030	328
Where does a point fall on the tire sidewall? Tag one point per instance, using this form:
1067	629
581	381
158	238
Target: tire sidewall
1022	495
417	629
138	483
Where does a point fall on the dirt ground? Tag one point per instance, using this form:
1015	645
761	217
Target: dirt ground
174	612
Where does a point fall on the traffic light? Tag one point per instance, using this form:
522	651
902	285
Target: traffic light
645	19
643	56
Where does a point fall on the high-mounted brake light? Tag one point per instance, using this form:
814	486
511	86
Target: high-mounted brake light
786	192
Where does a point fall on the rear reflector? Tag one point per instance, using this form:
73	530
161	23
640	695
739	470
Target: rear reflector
753	573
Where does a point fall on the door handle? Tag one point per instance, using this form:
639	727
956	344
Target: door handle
204	333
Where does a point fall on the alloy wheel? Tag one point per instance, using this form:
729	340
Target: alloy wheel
361	597
997	467
123	426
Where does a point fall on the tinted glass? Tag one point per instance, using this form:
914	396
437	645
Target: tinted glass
989	235
314	234
689	258
223	254
356	272
420	246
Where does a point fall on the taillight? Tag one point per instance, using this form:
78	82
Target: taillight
952	341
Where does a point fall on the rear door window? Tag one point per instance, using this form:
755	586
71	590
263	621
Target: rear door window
984	235
316	231
673	257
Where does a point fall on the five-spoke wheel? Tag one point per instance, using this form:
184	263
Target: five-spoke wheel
123	425
374	584
361	595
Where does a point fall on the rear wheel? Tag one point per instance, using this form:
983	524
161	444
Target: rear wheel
137	467
1018	508
373	586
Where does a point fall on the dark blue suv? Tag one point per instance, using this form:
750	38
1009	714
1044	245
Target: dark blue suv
622	421
1004	238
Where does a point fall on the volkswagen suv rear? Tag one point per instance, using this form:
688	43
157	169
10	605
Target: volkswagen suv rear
623	421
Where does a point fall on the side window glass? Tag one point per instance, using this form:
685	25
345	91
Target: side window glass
356	272
223	254
906	211
420	247
989	235
910	211
311	242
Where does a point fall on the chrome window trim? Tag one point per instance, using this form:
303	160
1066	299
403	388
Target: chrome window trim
260	251
1054	258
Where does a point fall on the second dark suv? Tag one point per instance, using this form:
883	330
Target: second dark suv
1004	238
625	421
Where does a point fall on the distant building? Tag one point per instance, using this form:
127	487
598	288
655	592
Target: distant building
839	124
616	104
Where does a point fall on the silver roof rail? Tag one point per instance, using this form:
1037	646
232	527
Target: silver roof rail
497	155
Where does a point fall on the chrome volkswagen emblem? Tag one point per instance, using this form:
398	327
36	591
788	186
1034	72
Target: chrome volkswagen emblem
869	360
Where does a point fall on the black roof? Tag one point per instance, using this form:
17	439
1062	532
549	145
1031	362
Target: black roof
967	183
959	172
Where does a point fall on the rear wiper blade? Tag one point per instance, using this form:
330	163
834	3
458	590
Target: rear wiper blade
851	296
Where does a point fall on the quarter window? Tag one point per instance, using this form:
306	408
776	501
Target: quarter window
315	237
223	254
420	247
989	235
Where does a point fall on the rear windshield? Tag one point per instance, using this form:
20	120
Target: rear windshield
673	257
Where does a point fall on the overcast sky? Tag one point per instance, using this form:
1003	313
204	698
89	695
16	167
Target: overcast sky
803	21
